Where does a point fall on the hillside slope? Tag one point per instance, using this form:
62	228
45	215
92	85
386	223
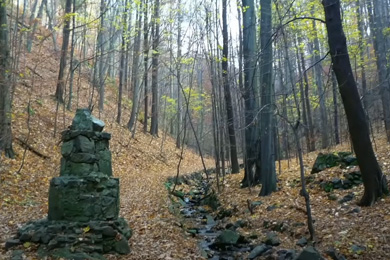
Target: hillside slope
142	163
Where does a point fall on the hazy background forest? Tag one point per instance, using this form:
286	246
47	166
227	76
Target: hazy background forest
188	85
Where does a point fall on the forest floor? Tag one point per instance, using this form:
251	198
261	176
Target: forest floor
143	165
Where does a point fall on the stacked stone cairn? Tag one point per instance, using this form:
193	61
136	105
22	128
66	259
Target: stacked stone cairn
84	200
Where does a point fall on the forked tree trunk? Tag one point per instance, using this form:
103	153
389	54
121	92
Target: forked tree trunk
374	181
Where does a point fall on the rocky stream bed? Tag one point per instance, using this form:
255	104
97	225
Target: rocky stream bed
219	233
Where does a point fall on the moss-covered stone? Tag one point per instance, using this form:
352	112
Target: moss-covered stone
67	148
83	144
329	160
71	198
104	164
83	158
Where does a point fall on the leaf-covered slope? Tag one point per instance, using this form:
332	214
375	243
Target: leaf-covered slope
142	163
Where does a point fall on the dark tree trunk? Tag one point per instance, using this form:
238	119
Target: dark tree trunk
228	97
64	50
374	181
267	153
336	110
378	25
249	55
155	54
5	86
146	58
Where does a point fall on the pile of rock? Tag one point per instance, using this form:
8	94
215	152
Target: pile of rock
329	160
350	180
84	200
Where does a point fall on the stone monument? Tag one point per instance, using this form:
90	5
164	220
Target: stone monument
84	199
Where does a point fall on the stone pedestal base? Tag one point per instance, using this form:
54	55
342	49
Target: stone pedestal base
91	198
79	237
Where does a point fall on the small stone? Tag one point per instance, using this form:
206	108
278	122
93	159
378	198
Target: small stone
334	254
83	158
356	249
109	231
17	255
347	198
355	210
11	243
122	247
309	253
227	237
302	242
36	237
241	223
67	148
258	251
272	207
25	237
83	144
97	124
284	254
53	244
332	197
272	239
45	238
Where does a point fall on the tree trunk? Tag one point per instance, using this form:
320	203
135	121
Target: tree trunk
155	54
72	62
267	153
374	181
146	58
320	90
50	25
178	76
38	19
249	55
101	46
134	74
122	67
303	101
228	97
308	105
361	53
5	87
376	22
336	110
64	50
